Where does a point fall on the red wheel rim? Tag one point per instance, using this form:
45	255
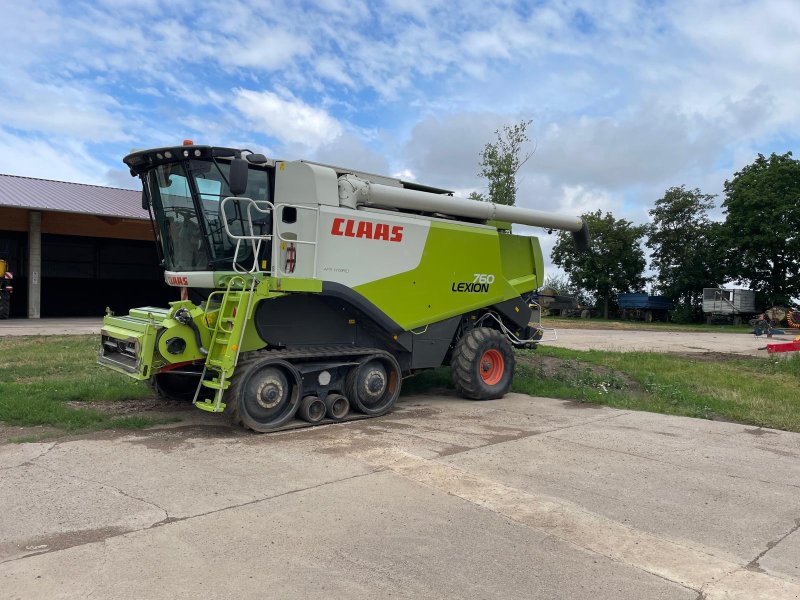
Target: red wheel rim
492	367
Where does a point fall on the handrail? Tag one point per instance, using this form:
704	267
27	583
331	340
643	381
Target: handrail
256	242
264	207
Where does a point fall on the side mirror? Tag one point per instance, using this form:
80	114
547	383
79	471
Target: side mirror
145	201
237	180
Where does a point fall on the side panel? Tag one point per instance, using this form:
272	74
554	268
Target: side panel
460	271
358	246
430	347
522	261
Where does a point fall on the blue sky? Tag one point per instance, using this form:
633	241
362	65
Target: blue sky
626	98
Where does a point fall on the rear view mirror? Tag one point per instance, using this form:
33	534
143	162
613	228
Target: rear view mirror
145	203
238	176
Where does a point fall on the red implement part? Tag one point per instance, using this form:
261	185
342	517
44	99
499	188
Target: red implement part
787	347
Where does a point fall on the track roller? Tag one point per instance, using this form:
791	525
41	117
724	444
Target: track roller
374	385
337	406
265	394
312	409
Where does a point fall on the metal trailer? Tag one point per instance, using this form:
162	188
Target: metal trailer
555	304
641	307
731	304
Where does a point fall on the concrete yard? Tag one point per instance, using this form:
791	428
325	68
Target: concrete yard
683	342
445	498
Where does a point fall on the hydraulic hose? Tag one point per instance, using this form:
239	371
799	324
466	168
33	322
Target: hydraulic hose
183	317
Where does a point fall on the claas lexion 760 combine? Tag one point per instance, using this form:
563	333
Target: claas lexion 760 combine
311	291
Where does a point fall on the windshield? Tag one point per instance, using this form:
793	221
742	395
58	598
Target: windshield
190	243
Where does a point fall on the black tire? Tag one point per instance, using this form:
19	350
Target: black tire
483	364
312	409
5	304
174	386
374	385
336	406
264	394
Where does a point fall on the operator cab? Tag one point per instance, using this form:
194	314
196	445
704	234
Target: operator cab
184	187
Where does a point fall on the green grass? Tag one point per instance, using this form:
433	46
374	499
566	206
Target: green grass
759	391
599	323
39	375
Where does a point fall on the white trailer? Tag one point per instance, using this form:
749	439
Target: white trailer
729	303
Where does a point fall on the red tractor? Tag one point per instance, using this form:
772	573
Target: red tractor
6	287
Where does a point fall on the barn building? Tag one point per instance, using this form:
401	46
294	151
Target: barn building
75	249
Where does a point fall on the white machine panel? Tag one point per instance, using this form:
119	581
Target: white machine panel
356	247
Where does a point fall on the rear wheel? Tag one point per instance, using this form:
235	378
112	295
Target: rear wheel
265	395
483	364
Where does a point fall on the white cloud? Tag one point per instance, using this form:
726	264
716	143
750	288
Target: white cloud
61	159
407	175
286	118
265	48
627	97
350	151
60	109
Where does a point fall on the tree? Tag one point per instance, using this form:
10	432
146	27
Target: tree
614	262
500	162
560	284
685	245
762	227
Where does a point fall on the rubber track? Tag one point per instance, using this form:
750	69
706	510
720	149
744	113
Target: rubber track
300	354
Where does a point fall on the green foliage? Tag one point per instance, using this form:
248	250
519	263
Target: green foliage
685	313
762	227
559	283
686	254
500	162
614	263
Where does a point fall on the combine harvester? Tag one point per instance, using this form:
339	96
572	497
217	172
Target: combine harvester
310	291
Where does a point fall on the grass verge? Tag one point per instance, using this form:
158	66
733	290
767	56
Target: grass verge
757	391
43	378
40	375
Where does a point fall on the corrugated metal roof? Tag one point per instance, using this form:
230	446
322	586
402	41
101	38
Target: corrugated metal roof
61	196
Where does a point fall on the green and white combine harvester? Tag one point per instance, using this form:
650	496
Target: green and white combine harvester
311	291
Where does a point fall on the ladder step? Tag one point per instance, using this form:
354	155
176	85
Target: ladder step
210	406
214	384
